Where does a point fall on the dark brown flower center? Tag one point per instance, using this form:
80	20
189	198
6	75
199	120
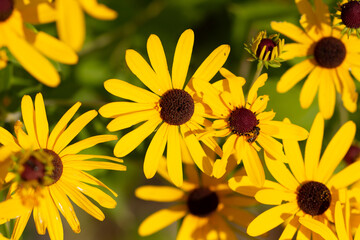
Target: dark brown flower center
313	198
36	167
202	201
329	52
177	107
268	44
242	121
350	14
6	9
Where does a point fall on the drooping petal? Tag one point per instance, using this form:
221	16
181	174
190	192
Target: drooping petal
159	193
318	227
182	58
327	97
161	219
237	216
271	218
228	148
70	23
335	151
290	229
293	75
132	139
253	166
52	217
174	163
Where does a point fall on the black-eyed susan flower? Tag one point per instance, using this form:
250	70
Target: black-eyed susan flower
205	204
69	17
266	49
309	189
329	58
342	225
29	48
170	106
348	17
245	123
46	171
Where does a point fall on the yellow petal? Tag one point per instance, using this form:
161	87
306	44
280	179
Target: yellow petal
237	216
13	208
310	87
159	193
86	143
92	165
74	128
20	225
23	139
288	131
327	97
346	177
313	147
41	123
61	125
341	229
281	173
174	163
212	64
274	197
132	139
294	75
158	61
128	120
51	47
292	50
155	150
197	152
39	13
79	199
271	219
70	23
309	20
114	109
128	91
191	226
80	157
291	31
235	85
161	219
335	151
290	229
53	219
259	82
253	166
65	207
144	72
37	65
28	115
272	147
8	140
98	10
228	148
318	227
182	58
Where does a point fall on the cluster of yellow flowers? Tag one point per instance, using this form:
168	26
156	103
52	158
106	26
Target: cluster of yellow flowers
208	128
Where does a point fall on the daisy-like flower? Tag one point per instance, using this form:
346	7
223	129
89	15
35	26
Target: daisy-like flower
328	59
69	17
245	123
205	204
310	189
46	171
29	47
171	106
348	16
266	49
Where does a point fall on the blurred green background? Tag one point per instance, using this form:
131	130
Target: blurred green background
214	22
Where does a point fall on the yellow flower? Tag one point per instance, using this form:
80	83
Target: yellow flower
170	107
245	122
205	204
310	189
328	59
29	47
46	171
347	16
3	59
69	17
266	49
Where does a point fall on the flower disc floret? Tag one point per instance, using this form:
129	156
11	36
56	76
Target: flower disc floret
242	121
329	52
6	9
202	201
350	14
313	198
268	44
177	107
